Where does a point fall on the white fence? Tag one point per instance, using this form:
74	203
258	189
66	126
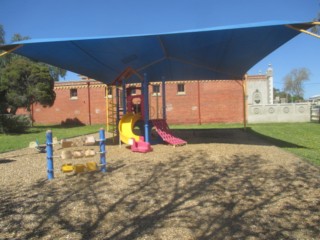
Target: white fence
290	112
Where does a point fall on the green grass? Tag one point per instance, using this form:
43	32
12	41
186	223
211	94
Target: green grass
10	142
301	139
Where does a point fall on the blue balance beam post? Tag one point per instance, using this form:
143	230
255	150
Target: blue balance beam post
102	143
146	108
49	149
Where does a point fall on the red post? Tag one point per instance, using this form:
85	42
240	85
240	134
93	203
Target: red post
199	105
89	103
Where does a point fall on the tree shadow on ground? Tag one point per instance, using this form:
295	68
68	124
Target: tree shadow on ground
3	161
188	197
275	141
231	136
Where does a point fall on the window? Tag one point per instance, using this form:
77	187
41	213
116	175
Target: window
109	92
73	93
133	91
181	89
155	90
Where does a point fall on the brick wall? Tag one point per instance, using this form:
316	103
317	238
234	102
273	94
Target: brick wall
88	107
206	102
202	102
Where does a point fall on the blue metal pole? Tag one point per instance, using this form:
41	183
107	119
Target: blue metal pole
118	104
102	143
124	93
146	107
49	149
164	113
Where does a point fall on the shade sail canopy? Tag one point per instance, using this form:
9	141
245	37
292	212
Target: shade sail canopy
211	53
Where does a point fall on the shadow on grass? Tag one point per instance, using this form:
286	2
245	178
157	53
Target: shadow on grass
275	141
40	129
187	197
231	136
224	135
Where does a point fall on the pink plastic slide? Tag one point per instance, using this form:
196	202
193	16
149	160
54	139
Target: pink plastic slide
165	133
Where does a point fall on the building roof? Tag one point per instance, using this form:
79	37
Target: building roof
315	97
212	53
257	77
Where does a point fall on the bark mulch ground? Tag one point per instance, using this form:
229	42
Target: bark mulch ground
225	184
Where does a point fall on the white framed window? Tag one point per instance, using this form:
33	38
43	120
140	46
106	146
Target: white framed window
109	92
133	91
181	89
156	90
73	93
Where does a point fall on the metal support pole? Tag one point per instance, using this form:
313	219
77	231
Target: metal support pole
49	149
146	107
244	89
164	107
124	103
118	104
102	143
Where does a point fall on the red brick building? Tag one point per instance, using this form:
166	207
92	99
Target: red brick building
196	102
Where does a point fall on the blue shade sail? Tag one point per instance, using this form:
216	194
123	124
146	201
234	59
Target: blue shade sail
212	53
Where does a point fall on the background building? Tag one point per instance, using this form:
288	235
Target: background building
187	102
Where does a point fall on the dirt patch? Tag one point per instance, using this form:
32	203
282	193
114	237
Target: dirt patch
225	184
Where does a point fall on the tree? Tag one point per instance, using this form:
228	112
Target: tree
55	72
24	82
2	34
293	82
278	93
316	29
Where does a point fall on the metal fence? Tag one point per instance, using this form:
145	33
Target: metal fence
315	114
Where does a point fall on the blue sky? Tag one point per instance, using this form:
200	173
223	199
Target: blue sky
84	18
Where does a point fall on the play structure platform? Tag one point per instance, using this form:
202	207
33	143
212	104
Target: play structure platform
135	113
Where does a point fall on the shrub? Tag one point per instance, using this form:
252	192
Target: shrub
75	122
10	123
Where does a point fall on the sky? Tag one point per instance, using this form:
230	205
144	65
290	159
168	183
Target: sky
40	19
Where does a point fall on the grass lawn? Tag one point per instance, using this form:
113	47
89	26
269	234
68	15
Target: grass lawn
301	139
16	141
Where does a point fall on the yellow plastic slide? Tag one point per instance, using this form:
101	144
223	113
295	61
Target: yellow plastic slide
126	126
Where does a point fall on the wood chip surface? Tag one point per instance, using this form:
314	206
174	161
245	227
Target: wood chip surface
225	184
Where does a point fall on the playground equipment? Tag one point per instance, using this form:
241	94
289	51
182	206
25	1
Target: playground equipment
126	126
41	148
90	166
140	146
133	114
135	109
166	134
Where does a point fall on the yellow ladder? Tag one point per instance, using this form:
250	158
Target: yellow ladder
111	112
